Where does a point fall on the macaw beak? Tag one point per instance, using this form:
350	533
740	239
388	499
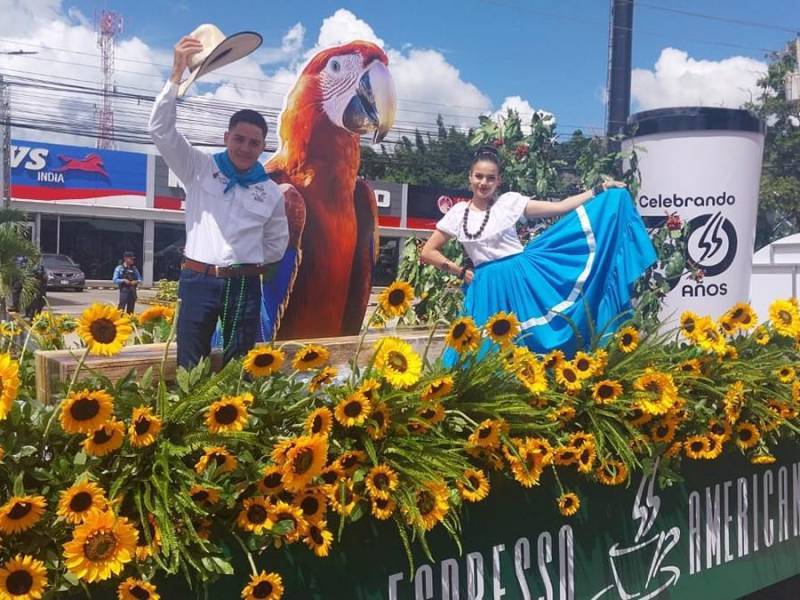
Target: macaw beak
374	105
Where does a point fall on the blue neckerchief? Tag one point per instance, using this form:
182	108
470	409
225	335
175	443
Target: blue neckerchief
255	174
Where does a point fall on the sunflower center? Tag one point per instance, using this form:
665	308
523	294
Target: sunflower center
80	502
745	435
310	356
397	297
605	391
139	592
379	418
142	425
100	546
501	327
652	387
437	387
256	514
583	364
349	460
689	326
352	409
585	456
568	501
474	482
381	503
329	477
84	409
218	458
425	502
200	496
284	516
103	330
567	455
20	510
570	375
381	481
530	461
484	432
397	361
785	317
428	413
662	431
19	583
309	505
696	446
101	436
262	590
264	360
303	460
717	429
226	414
272	480
688	367
316	424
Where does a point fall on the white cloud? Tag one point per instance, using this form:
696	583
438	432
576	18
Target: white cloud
342	27
679	80
291	46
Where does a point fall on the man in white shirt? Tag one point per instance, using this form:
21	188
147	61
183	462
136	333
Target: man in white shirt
235	224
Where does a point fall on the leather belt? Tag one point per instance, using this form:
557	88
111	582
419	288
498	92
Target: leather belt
247	270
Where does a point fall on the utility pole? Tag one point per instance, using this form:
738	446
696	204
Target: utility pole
620	47
792	80
5	142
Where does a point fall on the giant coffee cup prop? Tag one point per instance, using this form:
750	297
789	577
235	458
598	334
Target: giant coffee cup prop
703	165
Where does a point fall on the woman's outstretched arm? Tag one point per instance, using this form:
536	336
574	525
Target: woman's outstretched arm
539	209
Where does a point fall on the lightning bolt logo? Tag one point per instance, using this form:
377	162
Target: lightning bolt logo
646	505
710	240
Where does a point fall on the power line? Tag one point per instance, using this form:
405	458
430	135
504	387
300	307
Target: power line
743	22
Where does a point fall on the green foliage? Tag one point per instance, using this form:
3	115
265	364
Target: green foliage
167	291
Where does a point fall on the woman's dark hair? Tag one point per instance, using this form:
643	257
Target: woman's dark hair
488	153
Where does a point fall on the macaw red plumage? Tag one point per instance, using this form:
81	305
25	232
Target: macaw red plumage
342	93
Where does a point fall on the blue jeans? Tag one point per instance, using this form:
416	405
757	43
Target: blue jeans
203	302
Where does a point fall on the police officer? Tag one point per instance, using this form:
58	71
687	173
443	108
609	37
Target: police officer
127	277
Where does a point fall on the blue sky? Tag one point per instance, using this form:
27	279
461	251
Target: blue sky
470	55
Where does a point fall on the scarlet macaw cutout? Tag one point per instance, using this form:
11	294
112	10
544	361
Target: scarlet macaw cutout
323	282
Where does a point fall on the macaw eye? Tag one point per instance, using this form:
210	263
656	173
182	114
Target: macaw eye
335	66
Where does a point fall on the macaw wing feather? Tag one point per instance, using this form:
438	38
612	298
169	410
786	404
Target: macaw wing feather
367	239
276	291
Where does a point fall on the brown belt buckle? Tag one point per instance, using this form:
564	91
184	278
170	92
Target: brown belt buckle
216	270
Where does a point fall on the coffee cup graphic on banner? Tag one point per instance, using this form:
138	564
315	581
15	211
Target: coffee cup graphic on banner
702	166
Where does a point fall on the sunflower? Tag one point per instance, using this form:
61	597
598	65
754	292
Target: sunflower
396	299
85	411
383	508
438	388
475	485
319	539
104	329
747	435
304	461
656	392
688	324
568	504
369	388
343	499
144	427
283	512
157	313
502	328
637	416
690	367
606	391
785	318
219	456
9	329
567	376
203	495
586	458
100	546
733	402
612	472
79	500
674	449
105	439
744	315
728	326
528	466
785	374
565	455
762	459
628	339
432	415
714	447
565	414
584	365
463	335
137	589
397	362
263	361
761	336
720	429
314	504
696	446
487	434
226	415
324	376
353	410
271	482
553	359
708	337
23	578
254	516
281	449
332	475
381	481
351	460
21	513
731	353
319	422
9	383
310	357
148	544
530	371
663	431
378	423
264	586
431	502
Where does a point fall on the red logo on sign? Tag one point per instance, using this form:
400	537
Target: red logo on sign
91	163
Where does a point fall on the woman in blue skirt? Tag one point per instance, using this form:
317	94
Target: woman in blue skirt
578	274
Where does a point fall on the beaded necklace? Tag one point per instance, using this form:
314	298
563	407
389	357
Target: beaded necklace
477	234
236	314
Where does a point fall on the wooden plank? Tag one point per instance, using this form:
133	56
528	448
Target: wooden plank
56	367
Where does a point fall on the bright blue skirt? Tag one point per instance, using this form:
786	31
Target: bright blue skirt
577	275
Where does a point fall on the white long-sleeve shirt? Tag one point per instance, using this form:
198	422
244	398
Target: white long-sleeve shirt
244	225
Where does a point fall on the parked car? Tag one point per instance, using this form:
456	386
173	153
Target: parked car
63	272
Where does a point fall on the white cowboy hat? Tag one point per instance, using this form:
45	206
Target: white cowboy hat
218	51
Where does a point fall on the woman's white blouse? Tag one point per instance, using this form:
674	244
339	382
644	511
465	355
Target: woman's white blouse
499	238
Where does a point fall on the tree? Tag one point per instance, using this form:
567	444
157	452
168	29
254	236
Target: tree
779	200
14	244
